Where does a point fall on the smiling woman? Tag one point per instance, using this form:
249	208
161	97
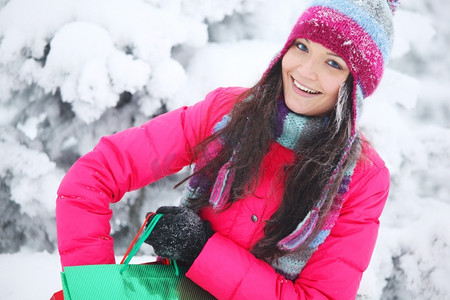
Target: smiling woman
312	77
286	193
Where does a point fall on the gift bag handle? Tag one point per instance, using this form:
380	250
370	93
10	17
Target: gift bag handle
134	247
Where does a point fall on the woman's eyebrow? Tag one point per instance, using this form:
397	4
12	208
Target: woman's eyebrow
334	54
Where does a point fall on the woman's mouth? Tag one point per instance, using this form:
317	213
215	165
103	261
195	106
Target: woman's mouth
304	88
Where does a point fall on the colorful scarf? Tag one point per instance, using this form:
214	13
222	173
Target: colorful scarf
291	130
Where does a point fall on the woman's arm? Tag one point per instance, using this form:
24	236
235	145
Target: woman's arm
123	162
229	271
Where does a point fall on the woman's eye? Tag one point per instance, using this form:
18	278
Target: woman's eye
334	64
302	47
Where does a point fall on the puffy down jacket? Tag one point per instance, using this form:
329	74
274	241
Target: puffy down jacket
132	159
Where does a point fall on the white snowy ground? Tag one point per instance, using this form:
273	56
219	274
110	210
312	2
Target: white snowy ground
29	276
33	276
90	64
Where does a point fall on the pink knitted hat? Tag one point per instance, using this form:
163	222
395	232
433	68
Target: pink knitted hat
360	31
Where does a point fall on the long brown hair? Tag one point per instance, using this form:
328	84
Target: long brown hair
252	127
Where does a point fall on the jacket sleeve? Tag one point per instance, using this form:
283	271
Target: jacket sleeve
229	271
120	163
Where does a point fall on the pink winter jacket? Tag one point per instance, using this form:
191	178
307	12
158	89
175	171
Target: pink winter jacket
131	159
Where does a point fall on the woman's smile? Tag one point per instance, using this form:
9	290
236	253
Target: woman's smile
303	90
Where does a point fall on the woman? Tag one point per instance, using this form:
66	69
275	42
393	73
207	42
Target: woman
286	194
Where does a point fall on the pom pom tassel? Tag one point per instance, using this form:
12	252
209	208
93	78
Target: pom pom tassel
393	5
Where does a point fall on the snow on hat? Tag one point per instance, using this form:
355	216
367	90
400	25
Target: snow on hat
360	31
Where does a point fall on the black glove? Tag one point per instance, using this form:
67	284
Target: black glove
180	234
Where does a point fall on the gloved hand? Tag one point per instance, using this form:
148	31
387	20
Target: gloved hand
180	234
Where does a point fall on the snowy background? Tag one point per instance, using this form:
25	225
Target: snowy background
72	71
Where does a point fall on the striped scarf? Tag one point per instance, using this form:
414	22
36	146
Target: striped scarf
291	130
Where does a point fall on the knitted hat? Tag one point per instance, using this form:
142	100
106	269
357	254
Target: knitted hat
359	31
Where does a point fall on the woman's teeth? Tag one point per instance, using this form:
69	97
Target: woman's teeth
305	89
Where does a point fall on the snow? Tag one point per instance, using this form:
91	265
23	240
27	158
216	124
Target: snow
222	64
75	70
30	275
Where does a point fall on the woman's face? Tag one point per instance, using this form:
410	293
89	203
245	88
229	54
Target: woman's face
312	76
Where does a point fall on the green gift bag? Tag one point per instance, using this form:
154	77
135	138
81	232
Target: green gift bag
128	281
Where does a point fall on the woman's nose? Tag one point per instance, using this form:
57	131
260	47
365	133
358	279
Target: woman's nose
308	68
